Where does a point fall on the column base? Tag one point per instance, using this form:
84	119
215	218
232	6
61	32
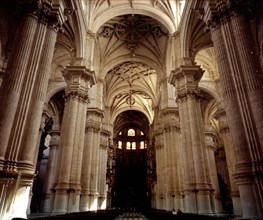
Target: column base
204	203
237	209
46	204
190	201
102	202
93	201
84	201
60	202
18	208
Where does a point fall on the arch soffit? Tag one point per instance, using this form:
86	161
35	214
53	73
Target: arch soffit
210	91
55	90
143	10
192	9
115	114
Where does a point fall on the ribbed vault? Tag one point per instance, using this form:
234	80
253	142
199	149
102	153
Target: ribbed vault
132	84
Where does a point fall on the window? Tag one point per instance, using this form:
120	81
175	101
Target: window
131	132
131	139
133	145
119	145
142	145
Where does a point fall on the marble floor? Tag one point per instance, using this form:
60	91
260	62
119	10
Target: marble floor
131	216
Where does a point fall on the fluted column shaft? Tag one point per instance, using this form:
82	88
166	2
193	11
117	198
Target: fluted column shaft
186	79
159	168
189	198
90	166
50	171
225	135
251	74
104	145
171	149
237	110
212	176
94	175
22	96
36	104
168	179
86	169
12	85
68	185
176	164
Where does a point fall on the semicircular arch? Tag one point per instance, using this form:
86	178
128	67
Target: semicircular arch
126	9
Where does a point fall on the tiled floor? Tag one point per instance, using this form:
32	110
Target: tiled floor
131	216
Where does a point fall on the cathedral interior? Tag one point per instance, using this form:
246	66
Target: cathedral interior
131	105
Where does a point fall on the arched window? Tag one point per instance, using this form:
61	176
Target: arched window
119	145
131	138
142	145
131	132
133	145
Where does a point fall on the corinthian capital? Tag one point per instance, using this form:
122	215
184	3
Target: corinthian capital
186	79
79	79
224	12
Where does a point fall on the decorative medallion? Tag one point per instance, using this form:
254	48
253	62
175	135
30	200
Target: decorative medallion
132	29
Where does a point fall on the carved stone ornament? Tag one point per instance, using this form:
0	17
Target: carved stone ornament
132	29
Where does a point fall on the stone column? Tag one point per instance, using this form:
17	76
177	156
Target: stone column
22	94
36	163
186	79
237	110
171	146
68	187
212	173
159	145
176	161
36	104
168	170
12	85
50	172
225	135
90	166
94	174
86	168
104	145
187	160
251	73
251	82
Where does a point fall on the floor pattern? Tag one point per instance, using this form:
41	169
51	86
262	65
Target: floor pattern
131	216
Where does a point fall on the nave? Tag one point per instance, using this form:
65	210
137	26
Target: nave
112	104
